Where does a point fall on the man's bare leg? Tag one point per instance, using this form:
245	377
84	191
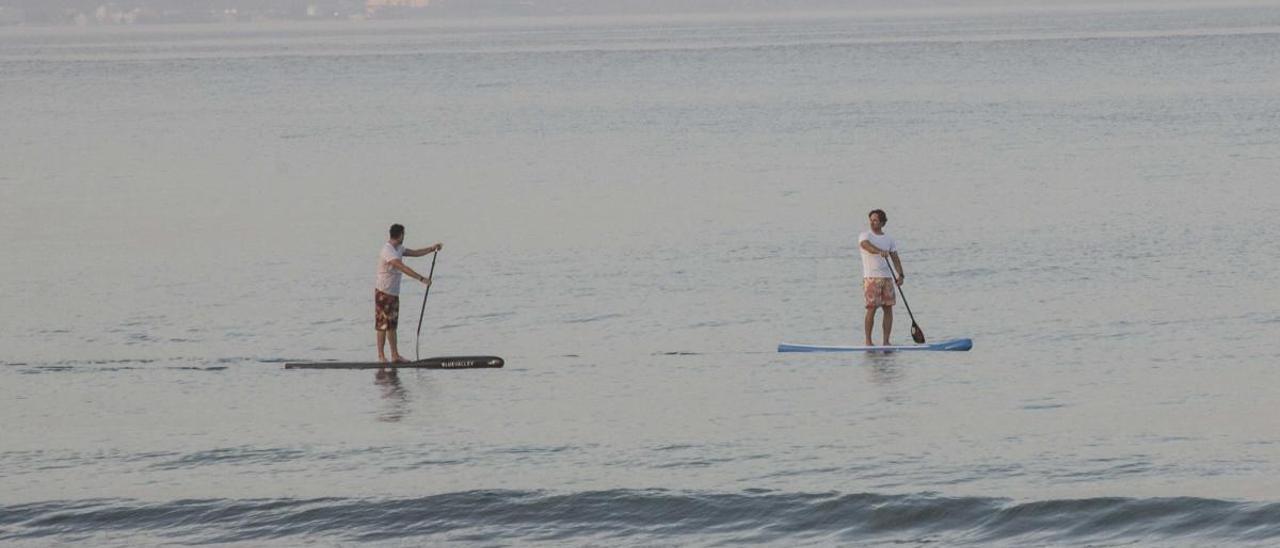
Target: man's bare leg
395	352
382	341
869	324
888	324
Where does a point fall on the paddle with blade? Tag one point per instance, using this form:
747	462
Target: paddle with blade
916	334
417	344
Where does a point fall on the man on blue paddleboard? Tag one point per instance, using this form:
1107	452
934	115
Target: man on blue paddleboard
877	278
386	291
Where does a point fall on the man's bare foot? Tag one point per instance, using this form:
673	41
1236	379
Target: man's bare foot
382	359
399	359
869	343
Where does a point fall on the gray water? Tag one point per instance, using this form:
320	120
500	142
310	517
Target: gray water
635	212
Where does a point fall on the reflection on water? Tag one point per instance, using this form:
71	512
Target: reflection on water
884	367
394	394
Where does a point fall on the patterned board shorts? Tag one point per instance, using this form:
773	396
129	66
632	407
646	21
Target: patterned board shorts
386	311
879	292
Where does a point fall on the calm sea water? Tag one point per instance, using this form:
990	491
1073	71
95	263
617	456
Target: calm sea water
635	212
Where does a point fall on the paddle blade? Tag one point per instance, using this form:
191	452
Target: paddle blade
916	334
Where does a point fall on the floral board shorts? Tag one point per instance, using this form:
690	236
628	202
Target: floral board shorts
386	311
879	292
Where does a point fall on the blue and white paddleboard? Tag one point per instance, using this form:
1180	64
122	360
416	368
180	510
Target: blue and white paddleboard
953	344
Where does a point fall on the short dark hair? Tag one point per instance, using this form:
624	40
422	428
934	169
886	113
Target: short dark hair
397	230
884	219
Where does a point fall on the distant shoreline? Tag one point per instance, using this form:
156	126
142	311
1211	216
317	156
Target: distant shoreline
443	11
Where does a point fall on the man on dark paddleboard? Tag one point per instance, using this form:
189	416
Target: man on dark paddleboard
877	278
386	292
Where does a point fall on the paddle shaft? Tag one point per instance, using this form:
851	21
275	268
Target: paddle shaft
904	295
900	290
417	343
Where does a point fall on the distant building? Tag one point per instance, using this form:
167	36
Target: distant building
375	4
375	7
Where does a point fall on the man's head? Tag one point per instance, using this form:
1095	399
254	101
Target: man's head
878	219
397	233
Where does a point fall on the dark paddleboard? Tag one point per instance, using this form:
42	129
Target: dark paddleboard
444	362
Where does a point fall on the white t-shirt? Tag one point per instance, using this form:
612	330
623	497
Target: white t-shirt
389	276
873	266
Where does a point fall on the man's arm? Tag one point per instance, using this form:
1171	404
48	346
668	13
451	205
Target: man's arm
897	265
871	248
399	265
423	251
